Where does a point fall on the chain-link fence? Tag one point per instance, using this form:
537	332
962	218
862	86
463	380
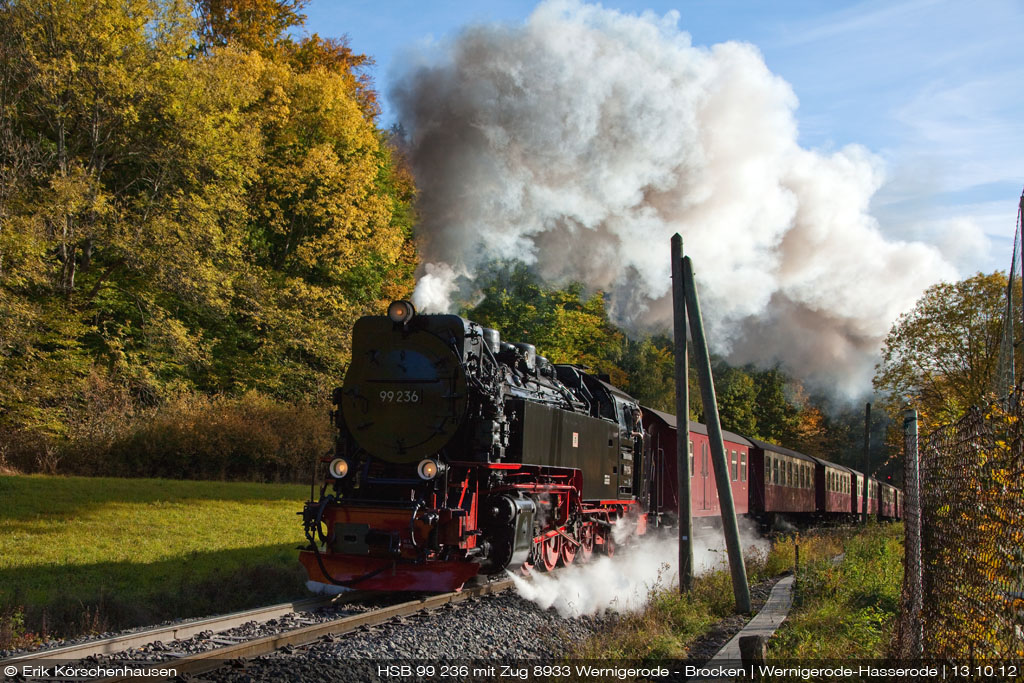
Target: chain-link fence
972	539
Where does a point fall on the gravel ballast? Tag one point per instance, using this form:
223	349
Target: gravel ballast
494	628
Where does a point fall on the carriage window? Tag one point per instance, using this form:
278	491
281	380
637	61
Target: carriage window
775	471
743	466
735	467
789	474
691	457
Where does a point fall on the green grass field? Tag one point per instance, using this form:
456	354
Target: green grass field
80	554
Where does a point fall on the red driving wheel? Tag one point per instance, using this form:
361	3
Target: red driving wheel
549	551
586	541
568	552
608	547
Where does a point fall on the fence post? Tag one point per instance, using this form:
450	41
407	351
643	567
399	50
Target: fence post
796	567
912	530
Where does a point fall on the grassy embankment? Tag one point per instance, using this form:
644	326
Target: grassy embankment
91	554
842	605
847	610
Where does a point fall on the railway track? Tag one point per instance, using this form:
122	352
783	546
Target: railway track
107	649
180	631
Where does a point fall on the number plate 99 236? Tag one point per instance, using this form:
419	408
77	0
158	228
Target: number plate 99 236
412	396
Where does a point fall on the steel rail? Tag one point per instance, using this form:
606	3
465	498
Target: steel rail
179	631
214	659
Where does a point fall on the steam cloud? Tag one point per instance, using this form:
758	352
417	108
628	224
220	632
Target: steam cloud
582	140
625	581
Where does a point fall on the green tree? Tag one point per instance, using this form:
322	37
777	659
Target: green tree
941	355
564	324
736	396
775	415
649	364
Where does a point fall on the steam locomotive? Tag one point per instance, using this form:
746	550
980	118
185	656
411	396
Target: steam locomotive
458	454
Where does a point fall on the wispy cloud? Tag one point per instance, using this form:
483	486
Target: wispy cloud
860	18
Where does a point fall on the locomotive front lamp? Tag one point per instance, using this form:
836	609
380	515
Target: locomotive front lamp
401	311
338	468
428	469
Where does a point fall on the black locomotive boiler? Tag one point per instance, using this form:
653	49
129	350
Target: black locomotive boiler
459	454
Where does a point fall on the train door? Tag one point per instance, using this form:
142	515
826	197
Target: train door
705	503
627	465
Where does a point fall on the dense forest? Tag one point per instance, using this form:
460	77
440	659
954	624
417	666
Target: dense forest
197	200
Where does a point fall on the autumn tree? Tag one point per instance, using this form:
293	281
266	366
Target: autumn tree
191	200
258	25
941	356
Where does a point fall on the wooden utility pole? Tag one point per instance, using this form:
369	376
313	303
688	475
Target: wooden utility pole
685	511
867	459
740	588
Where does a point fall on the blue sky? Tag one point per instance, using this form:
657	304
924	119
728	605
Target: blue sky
933	87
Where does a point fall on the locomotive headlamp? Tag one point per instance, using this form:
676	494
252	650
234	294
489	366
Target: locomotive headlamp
401	311
428	469
338	468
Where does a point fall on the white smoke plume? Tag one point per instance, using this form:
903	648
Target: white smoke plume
580	141
624	581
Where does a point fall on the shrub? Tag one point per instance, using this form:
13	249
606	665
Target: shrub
252	438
